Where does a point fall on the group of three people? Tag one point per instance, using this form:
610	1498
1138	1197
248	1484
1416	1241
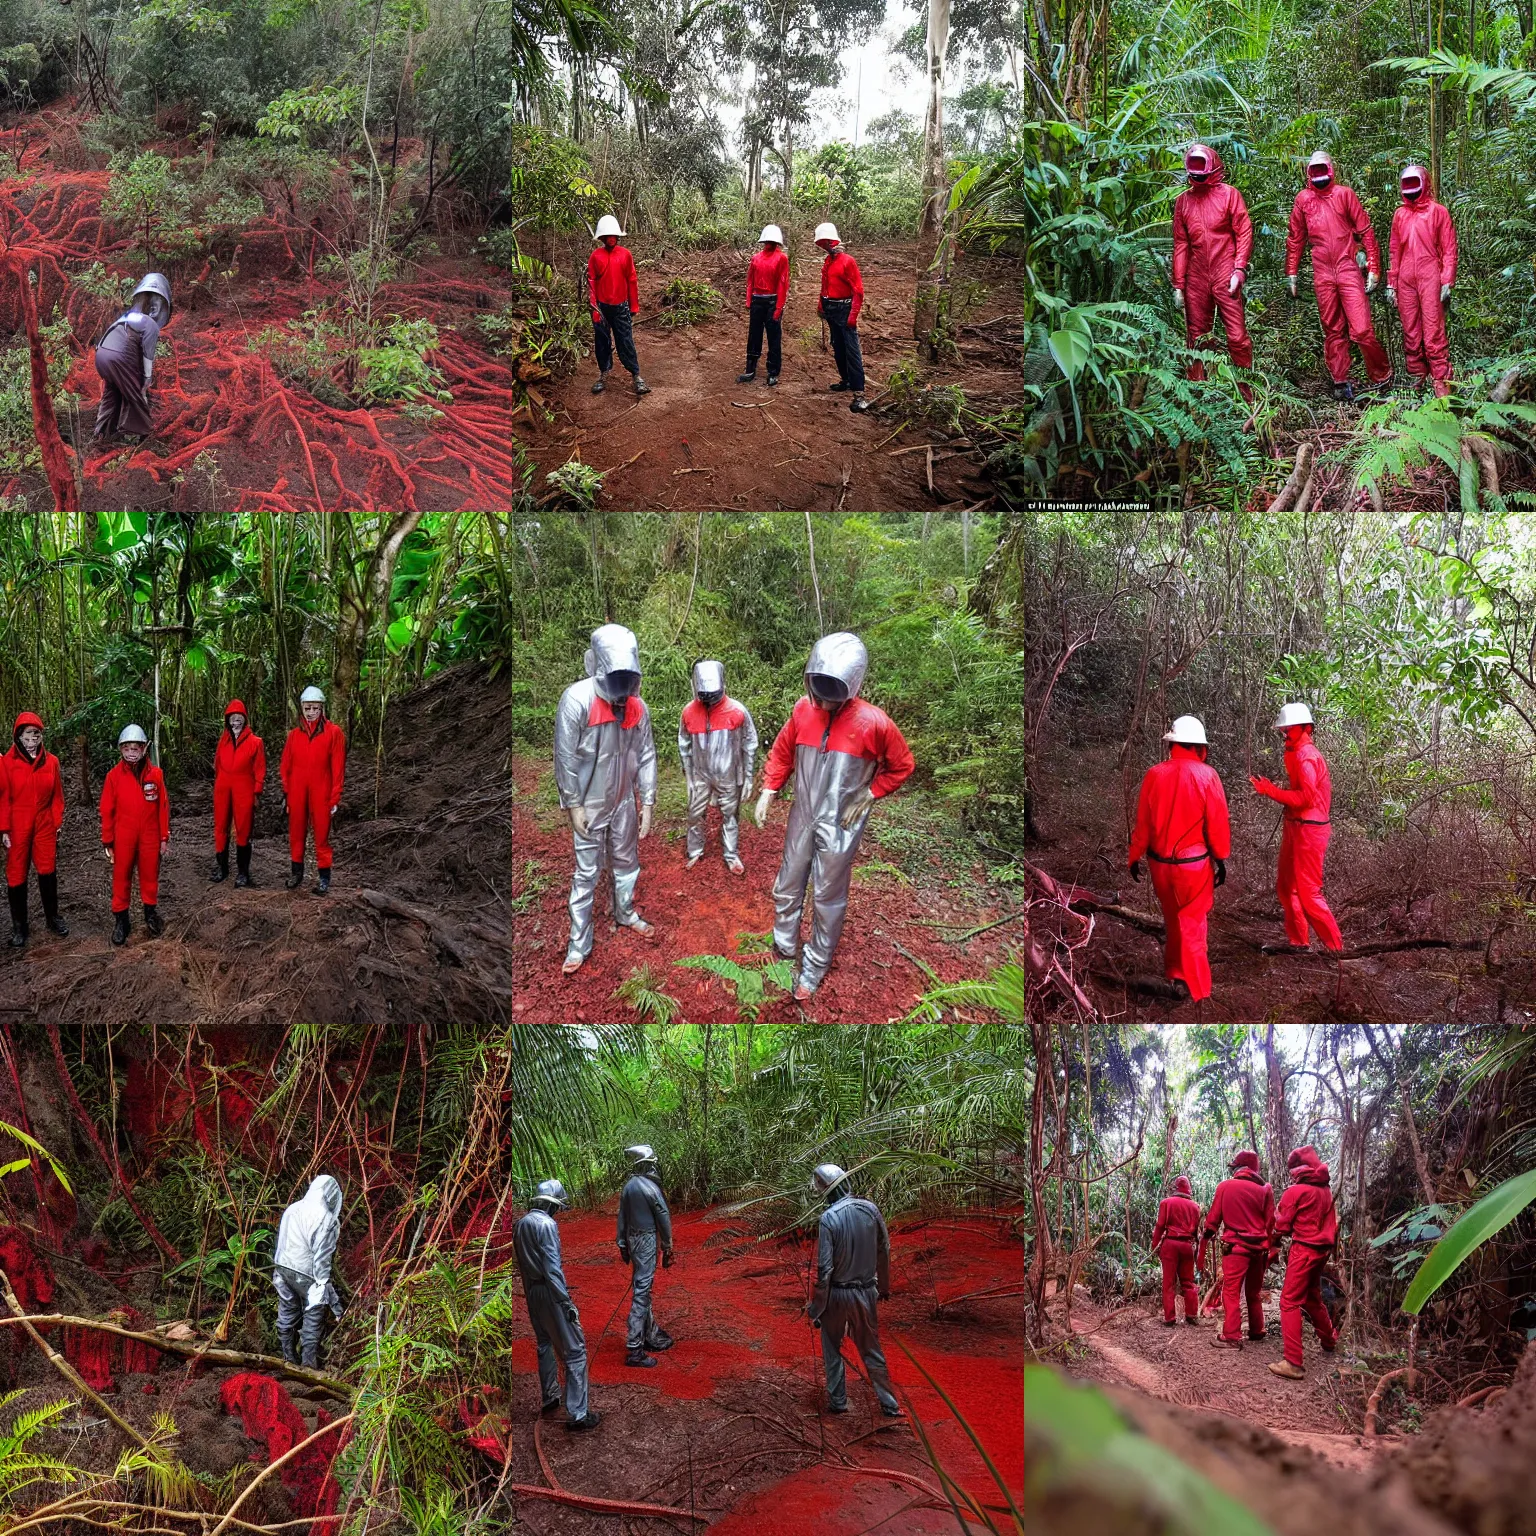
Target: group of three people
135	810
613	287
843	752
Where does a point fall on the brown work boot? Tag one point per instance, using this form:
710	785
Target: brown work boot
1289	1371
1220	1343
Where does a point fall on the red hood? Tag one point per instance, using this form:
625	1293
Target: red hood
25	718
1317	1173
1302	1157
1245	1160
1218	170
1181	1185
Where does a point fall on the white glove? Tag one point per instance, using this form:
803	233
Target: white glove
764	800
645	820
1370	282
5	837
581	820
1391	294
856	807
1445	292
1178	298
107	849
1235	281
1290	283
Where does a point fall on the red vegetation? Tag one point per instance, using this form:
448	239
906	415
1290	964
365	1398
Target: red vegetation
267	1414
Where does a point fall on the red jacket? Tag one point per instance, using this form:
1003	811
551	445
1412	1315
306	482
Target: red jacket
245	759
612	279
1212	232
1331	221
1306	1209
769	273
1181	811
1423	244
31	792
1245	1205
315	760
1310	797
841	279
132	801
858	728
1178	1219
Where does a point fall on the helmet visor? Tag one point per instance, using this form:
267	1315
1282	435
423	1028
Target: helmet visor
826	690
620	686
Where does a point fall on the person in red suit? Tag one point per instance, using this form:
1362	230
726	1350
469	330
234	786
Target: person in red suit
1332	221
135	828
1421	269
313	770
613	287
31	812
1307	1217
842	297
1304	837
1173	1241
1183	829
239	776
1212	241
1245	1207
767	294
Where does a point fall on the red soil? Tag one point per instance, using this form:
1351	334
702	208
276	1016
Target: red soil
268	1414
735	1307
279	449
705	911
688	445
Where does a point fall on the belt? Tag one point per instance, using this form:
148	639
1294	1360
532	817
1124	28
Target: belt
852	1285
1299	821
830	300
757	295
1197	858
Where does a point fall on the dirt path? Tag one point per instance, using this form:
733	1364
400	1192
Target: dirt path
702	440
707	911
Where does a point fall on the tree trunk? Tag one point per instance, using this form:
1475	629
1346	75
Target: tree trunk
925	318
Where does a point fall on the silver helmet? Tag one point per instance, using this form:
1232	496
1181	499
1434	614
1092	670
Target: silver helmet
826	1177
551	1195
642	1158
158	284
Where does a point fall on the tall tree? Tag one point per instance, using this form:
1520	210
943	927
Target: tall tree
925	319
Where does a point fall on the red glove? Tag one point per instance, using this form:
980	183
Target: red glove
597	319
1263	786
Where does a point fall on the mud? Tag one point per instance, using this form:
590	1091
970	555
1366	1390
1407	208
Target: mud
707	910
424	822
700	440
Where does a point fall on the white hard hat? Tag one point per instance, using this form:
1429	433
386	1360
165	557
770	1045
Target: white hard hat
1187	732
772	232
641	1155
551	1193
826	1176
607	225
312	695
827	232
1293	714
133	733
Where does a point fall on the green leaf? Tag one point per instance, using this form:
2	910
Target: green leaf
1491	1214
1071	349
196	659
401	633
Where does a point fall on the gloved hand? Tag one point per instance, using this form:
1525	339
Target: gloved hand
1445	293
1135	871
1370	282
1235	281
1261	785
107	849
581	820
815	1322
624	1252
1391	294
5	839
760	811
1221	872
597	318
645	820
572	1316
666	1259
885	1295
1178	298
857	805
1290	283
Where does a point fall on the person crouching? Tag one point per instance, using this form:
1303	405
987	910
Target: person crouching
125	359
135	828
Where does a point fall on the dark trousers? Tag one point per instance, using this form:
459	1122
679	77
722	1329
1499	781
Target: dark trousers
616	331
760	319
124	395
845	343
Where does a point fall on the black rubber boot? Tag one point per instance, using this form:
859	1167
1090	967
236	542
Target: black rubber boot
152	920
773	381
48	885
296	878
747	377
840	388
287	1344
243	865
17	895
578	1426
638	1357
220	866
324	883
120	928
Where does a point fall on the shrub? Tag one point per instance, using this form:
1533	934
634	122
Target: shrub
578	485
147	196
686	302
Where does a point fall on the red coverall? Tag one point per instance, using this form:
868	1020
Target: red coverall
1173	1241
239	775
1247	1207
1332	220
135	820
313	770
1181	825
31	806
768	272
1307	1217
1303	844
1421	258
1212	236
612	279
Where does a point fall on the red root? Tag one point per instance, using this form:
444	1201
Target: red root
267	1414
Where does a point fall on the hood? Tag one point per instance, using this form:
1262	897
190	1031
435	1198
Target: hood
1306	1168
1248	1160
841	656
613	662
1321	158
1212	161
1181	1185
1425	197
236	707
708	677
326	1190
24	719
1302	1157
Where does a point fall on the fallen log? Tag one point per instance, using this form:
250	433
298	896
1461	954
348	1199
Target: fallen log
1504	391
1155	986
1374	1405
1299	480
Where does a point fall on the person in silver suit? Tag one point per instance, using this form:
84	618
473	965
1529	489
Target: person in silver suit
717	742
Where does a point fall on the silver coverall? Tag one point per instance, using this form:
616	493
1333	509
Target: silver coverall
301	1269
556	1323
599	764
817	846
718	746
644	1223
853	1269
